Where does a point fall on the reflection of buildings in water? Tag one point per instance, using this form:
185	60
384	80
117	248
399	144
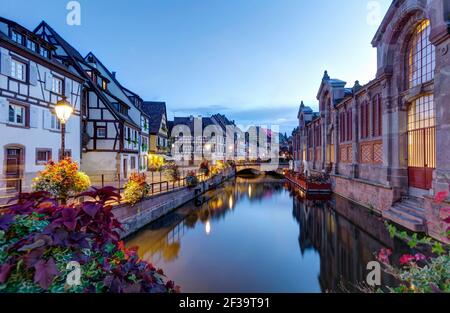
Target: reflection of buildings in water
344	248
161	240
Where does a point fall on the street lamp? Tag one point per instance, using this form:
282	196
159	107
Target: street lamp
63	111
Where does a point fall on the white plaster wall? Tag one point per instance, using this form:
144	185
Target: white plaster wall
32	138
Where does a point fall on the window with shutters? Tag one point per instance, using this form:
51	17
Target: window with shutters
55	124
17	114
57	85
18	70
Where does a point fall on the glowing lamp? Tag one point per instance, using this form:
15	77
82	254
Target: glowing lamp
63	110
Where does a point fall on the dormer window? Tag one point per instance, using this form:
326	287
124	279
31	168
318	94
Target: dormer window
104	84
31	45
44	52
123	109
15	36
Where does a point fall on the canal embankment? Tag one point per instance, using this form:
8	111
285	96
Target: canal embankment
135	217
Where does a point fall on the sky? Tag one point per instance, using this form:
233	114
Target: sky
252	60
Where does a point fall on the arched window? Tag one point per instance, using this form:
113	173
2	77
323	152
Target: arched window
421	56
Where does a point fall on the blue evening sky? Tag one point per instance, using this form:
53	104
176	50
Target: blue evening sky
253	60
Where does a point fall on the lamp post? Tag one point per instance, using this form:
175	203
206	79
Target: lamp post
63	111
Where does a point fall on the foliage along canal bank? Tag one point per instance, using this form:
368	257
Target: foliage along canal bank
40	238
149	209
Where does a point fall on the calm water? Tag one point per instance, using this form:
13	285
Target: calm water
258	235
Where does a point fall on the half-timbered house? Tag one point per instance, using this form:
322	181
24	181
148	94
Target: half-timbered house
32	79
158	128
110	130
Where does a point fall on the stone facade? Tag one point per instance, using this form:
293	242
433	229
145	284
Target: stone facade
369	138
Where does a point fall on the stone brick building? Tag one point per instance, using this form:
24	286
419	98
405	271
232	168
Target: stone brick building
386	144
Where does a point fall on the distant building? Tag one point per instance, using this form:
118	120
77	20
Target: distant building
197	138
159	131
261	144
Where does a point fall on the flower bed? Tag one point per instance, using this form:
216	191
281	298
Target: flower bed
39	239
62	180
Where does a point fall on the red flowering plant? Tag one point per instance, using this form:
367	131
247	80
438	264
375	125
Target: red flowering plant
39	238
417	272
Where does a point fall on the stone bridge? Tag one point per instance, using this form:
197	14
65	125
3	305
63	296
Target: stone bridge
261	167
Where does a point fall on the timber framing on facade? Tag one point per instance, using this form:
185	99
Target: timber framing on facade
32	80
114	135
386	144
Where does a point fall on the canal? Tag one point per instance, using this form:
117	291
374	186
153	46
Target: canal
261	235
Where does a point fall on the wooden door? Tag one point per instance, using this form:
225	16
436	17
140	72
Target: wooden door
13	168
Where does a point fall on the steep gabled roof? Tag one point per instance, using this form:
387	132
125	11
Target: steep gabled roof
155	111
55	62
65	50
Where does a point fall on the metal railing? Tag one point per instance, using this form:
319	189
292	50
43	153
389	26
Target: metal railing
160	186
13	187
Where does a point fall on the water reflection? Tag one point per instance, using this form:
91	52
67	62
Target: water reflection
259	235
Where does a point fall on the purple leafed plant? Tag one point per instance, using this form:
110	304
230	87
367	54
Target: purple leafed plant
38	238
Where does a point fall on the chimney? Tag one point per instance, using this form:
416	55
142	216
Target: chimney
114	75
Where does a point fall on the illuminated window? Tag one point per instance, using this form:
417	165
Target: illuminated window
422	133
421	56
421	113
